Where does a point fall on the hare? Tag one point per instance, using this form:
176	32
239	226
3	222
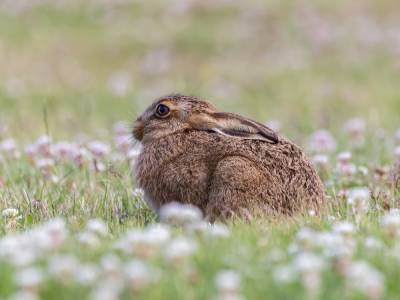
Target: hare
225	164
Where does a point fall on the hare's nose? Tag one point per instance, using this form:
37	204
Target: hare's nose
138	130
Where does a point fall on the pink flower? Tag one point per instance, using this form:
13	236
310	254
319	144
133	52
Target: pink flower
322	141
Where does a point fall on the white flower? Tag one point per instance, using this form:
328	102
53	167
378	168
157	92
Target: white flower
359	200
308	262
219	230
110	264
284	274
306	238
138	193
50	235
106	290
310	267
228	281
397	135
344	157
24	295
334	244
344	228
364	278
144	242
180	214
10	213
372	243
179	249
29	278
320	160
87	274
397	152
138	274
159	234
390	223
63	267
97	226
89	239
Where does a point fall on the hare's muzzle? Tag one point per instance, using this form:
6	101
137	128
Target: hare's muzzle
138	130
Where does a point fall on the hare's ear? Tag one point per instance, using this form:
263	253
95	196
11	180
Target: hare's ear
234	126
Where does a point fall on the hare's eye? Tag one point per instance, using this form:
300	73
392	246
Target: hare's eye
162	110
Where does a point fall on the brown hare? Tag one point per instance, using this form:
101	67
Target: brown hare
225	164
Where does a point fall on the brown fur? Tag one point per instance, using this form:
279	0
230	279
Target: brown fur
237	173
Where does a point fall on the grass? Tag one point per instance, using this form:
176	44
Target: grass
72	70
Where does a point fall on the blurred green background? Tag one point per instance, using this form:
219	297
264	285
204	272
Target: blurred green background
79	66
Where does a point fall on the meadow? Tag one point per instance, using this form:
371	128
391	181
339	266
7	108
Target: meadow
75	74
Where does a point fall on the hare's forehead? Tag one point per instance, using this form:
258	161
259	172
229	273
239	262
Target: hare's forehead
183	105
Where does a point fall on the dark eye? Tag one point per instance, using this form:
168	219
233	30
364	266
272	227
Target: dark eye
162	110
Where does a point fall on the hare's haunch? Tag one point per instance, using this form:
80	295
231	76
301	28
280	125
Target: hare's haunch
223	163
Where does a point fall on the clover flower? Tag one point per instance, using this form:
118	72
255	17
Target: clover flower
322	141
216	230
175	213
97	227
359	201
355	128
146	242
89	239
10	213
346	229
397	152
110	265
87	274
179	249
309	266
228	284
50	235
344	165
284	274
365	279
63	267
106	290
29	278
138	274
24	295
65	151
397	135
371	243
321	162
99	149
390	223
8	146
44	163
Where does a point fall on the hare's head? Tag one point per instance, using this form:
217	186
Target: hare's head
177	113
